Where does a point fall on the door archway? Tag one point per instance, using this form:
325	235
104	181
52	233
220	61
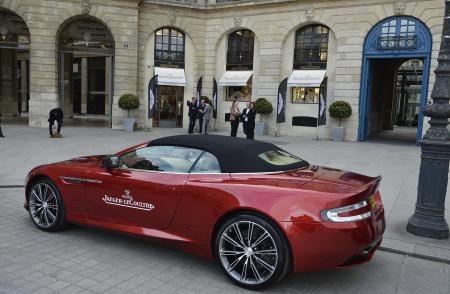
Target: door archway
389	44
14	65
86	58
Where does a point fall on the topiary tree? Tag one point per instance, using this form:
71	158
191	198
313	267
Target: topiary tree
263	106
340	110
128	102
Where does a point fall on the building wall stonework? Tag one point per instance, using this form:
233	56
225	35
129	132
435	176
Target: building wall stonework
133	25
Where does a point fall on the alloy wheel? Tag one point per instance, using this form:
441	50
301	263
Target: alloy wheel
248	252
43	205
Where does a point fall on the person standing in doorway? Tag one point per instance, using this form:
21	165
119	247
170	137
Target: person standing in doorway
235	113
251	116
206	112
56	114
192	113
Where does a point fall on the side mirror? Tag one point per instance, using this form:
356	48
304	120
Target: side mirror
111	162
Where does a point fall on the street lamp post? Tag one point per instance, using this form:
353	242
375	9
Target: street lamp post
428	219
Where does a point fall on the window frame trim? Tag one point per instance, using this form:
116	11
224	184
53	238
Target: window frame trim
163	63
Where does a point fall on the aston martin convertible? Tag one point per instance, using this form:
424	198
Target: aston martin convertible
258	210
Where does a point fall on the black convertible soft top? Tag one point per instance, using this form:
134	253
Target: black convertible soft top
235	155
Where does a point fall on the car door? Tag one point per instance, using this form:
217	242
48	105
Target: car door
145	191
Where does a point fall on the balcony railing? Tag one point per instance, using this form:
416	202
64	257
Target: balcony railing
397	42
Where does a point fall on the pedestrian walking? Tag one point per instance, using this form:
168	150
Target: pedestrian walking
192	113
235	113
56	114
206	112
251	116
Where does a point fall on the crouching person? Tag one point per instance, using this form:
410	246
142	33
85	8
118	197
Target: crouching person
57	115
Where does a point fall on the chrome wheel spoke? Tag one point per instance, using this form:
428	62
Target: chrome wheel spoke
37	211
255	271
230	252
250	233
265	264
238	234
232	265
232	241
266	252
244	270
260	239
36	196
49	213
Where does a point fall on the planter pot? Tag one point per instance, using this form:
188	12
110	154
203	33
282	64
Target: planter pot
128	124
338	134
260	128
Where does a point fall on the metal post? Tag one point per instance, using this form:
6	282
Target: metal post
428	219
1	133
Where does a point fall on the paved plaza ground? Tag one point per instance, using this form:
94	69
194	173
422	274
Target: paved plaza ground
87	260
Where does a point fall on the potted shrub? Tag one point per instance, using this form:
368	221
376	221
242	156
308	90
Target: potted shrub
262	106
128	102
339	110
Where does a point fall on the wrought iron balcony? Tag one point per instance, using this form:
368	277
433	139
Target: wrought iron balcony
397	42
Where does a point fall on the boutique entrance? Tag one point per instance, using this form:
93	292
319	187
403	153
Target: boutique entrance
395	93
14	66
170	107
86	62
394	82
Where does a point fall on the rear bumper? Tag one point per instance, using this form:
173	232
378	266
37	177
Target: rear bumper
317	246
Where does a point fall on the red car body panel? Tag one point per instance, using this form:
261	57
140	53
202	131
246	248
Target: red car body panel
188	207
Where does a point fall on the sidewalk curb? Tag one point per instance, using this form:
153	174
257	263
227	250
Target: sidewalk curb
11	186
416	255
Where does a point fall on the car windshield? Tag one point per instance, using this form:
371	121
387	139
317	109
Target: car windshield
279	157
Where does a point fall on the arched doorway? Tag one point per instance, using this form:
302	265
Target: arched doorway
388	48
14	65
86	49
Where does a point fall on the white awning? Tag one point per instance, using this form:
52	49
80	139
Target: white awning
235	78
170	76
306	78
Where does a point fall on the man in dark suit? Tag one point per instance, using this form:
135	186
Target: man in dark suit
251	116
56	114
192	113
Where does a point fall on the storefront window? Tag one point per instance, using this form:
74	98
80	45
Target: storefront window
305	95
243	93
169	48
311	47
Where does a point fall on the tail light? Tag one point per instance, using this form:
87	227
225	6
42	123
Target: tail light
351	213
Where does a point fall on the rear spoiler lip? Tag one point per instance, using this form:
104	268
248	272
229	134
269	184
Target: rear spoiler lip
359	195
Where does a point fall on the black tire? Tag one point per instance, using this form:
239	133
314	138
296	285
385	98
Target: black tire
44	203
252	265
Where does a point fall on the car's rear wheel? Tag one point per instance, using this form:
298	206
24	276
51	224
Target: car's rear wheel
46	206
252	251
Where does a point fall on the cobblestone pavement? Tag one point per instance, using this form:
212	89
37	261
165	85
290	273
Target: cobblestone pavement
85	260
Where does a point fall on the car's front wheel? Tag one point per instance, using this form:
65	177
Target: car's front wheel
252	251
46	206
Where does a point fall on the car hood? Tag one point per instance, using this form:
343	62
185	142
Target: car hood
84	160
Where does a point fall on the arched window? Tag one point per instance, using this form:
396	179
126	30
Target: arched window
311	47
169	48
398	33
240	50
14	32
86	34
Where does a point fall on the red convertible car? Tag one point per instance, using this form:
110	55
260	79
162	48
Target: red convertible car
260	211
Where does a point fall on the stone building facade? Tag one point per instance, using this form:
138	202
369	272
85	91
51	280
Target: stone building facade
129	38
